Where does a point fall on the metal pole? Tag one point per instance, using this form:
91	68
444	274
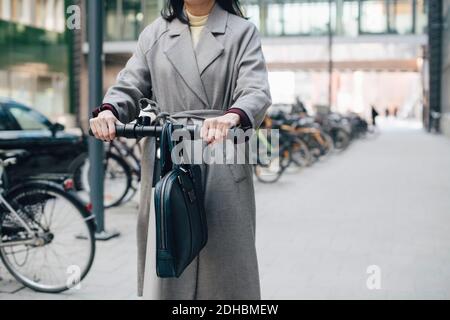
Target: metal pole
330	55
435	48
96	149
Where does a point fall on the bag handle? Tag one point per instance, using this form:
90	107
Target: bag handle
166	147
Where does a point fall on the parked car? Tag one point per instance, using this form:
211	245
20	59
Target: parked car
51	150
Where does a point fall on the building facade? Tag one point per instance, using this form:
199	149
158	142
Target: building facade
275	18
35	56
347	54
375	45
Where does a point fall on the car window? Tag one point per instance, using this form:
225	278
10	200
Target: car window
5	121
29	119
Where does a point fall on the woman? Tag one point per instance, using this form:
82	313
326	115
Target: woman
201	59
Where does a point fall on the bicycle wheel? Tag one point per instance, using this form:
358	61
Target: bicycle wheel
301	156
62	244
272	171
341	139
131	155
117	181
327	144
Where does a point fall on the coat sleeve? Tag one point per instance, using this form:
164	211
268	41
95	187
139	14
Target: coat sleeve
252	92
133	83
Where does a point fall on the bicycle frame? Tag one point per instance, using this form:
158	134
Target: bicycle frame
5	203
126	151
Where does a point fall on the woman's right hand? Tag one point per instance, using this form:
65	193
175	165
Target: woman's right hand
104	126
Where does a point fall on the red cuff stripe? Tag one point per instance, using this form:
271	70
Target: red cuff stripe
245	120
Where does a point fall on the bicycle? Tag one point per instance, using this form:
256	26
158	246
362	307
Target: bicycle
337	127
118	179
46	232
291	150
318	142
131	155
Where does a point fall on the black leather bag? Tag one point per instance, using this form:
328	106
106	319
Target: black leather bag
181	227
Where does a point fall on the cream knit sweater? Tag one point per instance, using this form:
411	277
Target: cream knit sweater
197	23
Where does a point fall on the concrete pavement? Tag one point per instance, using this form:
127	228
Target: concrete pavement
384	203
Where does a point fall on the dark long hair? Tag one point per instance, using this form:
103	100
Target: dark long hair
174	9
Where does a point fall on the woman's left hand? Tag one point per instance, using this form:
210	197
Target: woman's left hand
216	129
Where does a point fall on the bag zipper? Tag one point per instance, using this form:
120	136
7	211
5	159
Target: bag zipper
188	202
199	203
162	228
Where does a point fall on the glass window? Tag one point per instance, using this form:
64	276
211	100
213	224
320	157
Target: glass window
274	22
308	18
16	9
49	95
421	16
5	123
293	24
152	9
50	18
5	9
60	21
27	13
40	13
124	19
112	20
4	83
22	87
348	20
29	119
401	16
304	18
374	16
133	18
252	12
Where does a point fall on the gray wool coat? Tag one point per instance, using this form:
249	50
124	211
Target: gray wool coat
226	70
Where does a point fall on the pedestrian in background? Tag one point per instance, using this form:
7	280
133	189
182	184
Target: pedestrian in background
395	112
201	59
374	116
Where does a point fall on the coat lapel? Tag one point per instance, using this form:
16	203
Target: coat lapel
189	64
182	57
209	48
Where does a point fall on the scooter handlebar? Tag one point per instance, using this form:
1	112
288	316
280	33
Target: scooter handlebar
136	131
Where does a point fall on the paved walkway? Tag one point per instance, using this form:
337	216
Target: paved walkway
385	202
